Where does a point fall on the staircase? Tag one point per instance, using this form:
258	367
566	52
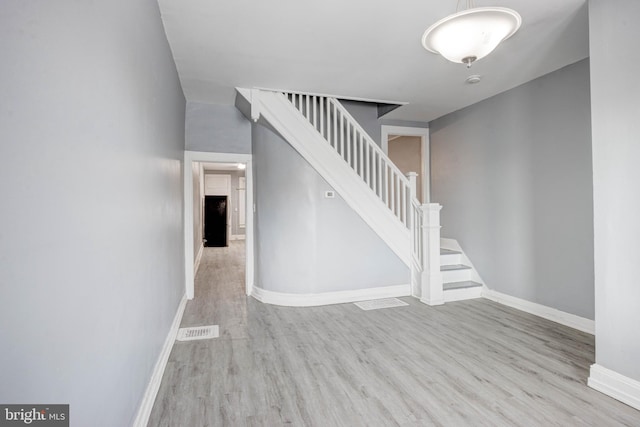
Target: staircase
460	279
332	141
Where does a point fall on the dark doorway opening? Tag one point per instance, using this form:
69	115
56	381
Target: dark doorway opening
215	221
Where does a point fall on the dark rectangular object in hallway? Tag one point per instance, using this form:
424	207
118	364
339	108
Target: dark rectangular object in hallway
215	221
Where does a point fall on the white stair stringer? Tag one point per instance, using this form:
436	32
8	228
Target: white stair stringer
305	139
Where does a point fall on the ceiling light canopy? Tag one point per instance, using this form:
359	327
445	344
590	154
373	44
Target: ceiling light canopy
471	34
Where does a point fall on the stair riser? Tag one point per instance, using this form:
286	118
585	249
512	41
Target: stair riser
456	275
462	294
450	259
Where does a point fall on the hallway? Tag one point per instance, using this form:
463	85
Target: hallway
468	363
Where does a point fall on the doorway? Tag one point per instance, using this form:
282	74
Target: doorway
220	199
223	208
215	221
408	149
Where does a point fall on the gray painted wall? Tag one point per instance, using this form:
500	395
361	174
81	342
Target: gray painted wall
366	114
236	230
616	150
216	128
91	246
306	243
513	174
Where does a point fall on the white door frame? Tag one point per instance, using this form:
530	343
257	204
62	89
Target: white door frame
423	133
200	156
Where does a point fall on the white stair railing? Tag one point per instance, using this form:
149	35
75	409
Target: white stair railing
343	133
417	221
417	250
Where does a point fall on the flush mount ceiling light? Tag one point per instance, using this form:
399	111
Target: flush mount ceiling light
471	34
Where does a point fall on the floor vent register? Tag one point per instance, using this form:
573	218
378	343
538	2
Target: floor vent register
380	303
198	333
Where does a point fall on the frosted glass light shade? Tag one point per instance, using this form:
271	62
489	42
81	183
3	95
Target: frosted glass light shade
471	34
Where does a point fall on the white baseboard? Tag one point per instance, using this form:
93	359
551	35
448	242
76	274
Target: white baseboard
327	298
462	294
196	264
237	237
144	410
432	302
567	319
611	383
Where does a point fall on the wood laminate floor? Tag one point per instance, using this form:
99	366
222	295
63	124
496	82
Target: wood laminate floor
468	363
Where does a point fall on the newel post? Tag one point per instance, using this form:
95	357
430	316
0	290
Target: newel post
432	292
412	176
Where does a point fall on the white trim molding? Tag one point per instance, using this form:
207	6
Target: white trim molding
613	384
201	156
149	398
328	298
566	319
196	264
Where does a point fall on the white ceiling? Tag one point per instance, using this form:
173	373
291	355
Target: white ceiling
360	48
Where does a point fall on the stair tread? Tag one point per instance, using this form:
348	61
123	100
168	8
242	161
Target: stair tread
453	267
444	251
461	285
